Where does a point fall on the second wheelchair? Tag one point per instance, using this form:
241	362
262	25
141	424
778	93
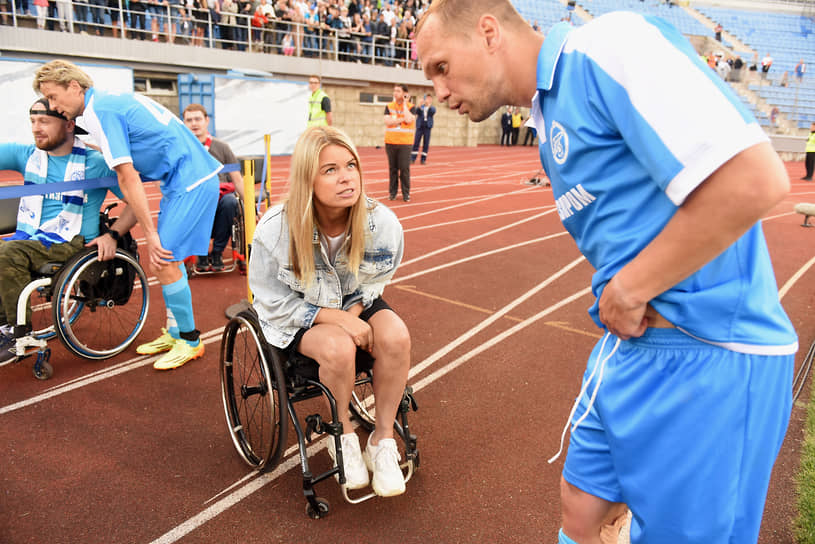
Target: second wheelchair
97	308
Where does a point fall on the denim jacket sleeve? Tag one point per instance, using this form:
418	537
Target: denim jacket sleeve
281	309
383	253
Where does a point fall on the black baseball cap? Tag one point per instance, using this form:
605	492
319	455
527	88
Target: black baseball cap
53	113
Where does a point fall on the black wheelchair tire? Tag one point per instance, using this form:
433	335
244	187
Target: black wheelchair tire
252	373
68	308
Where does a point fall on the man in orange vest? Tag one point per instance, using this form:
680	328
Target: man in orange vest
400	125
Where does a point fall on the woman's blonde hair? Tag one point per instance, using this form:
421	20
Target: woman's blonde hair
299	203
61	72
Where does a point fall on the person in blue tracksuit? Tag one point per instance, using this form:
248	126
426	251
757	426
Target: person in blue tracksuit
661	176
137	137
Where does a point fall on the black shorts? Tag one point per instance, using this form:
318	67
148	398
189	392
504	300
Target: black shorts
364	359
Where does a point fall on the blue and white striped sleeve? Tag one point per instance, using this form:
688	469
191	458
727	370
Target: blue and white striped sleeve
677	116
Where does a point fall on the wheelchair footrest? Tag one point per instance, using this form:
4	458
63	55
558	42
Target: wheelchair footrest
27	345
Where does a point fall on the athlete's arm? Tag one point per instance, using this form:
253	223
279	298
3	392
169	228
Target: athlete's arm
105	244
131	185
712	217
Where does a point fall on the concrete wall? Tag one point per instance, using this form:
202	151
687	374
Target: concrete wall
365	124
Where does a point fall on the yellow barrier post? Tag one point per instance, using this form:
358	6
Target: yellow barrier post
267	184
249	218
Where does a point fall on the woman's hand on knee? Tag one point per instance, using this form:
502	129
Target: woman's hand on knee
360	332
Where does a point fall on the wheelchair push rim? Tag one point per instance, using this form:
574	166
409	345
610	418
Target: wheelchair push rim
97	326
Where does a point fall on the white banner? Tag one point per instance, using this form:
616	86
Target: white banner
16	78
248	108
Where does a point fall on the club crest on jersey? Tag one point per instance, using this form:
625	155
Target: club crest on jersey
559	140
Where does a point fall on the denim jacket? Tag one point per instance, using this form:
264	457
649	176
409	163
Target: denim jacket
284	304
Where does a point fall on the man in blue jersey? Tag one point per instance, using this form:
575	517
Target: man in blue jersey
51	227
140	137
687	396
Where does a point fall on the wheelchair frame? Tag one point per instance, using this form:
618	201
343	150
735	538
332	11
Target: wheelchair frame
71	288
253	372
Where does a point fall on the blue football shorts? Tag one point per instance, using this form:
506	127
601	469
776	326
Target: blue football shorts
185	219
685	433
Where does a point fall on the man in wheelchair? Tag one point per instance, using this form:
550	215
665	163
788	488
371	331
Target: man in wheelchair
54	226
231	188
319	265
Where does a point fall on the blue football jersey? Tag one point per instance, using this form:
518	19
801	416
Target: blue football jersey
631	122
133	128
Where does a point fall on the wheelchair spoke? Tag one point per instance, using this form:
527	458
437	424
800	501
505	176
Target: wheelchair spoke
97	313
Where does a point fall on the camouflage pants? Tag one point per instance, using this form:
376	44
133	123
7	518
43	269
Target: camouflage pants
18	260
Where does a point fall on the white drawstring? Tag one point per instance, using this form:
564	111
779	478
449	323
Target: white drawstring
602	365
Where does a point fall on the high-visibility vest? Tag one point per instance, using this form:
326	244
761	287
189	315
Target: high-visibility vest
811	143
401	134
316	115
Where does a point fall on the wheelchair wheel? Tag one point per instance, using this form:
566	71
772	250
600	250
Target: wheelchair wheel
98	308
362	401
254	393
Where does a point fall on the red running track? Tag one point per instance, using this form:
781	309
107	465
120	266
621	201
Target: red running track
495	296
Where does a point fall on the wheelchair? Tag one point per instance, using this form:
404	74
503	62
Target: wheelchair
97	308
260	387
238	243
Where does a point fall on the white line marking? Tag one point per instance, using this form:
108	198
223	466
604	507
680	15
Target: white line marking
474	238
477	256
132	364
795	277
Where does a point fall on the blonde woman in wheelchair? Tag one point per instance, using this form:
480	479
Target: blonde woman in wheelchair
319	263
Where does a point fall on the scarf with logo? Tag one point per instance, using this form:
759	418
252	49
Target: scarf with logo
68	222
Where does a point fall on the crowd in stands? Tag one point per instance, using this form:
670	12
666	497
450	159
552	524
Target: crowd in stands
350	30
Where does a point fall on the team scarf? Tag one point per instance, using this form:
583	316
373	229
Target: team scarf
68	222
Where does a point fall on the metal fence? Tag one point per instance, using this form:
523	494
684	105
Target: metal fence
174	23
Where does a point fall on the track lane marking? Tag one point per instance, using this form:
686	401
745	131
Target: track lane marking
474	257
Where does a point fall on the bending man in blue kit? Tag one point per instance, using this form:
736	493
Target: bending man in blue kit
661	176
138	136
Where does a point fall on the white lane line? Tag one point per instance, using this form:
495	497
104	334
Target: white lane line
474	257
238	495
795	277
468	203
432	377
491	319
476	218
232	499
477	237
127	366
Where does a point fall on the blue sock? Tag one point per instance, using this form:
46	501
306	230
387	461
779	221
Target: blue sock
563	539
178	300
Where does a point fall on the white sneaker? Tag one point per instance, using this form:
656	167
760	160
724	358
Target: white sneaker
356	475
383	461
